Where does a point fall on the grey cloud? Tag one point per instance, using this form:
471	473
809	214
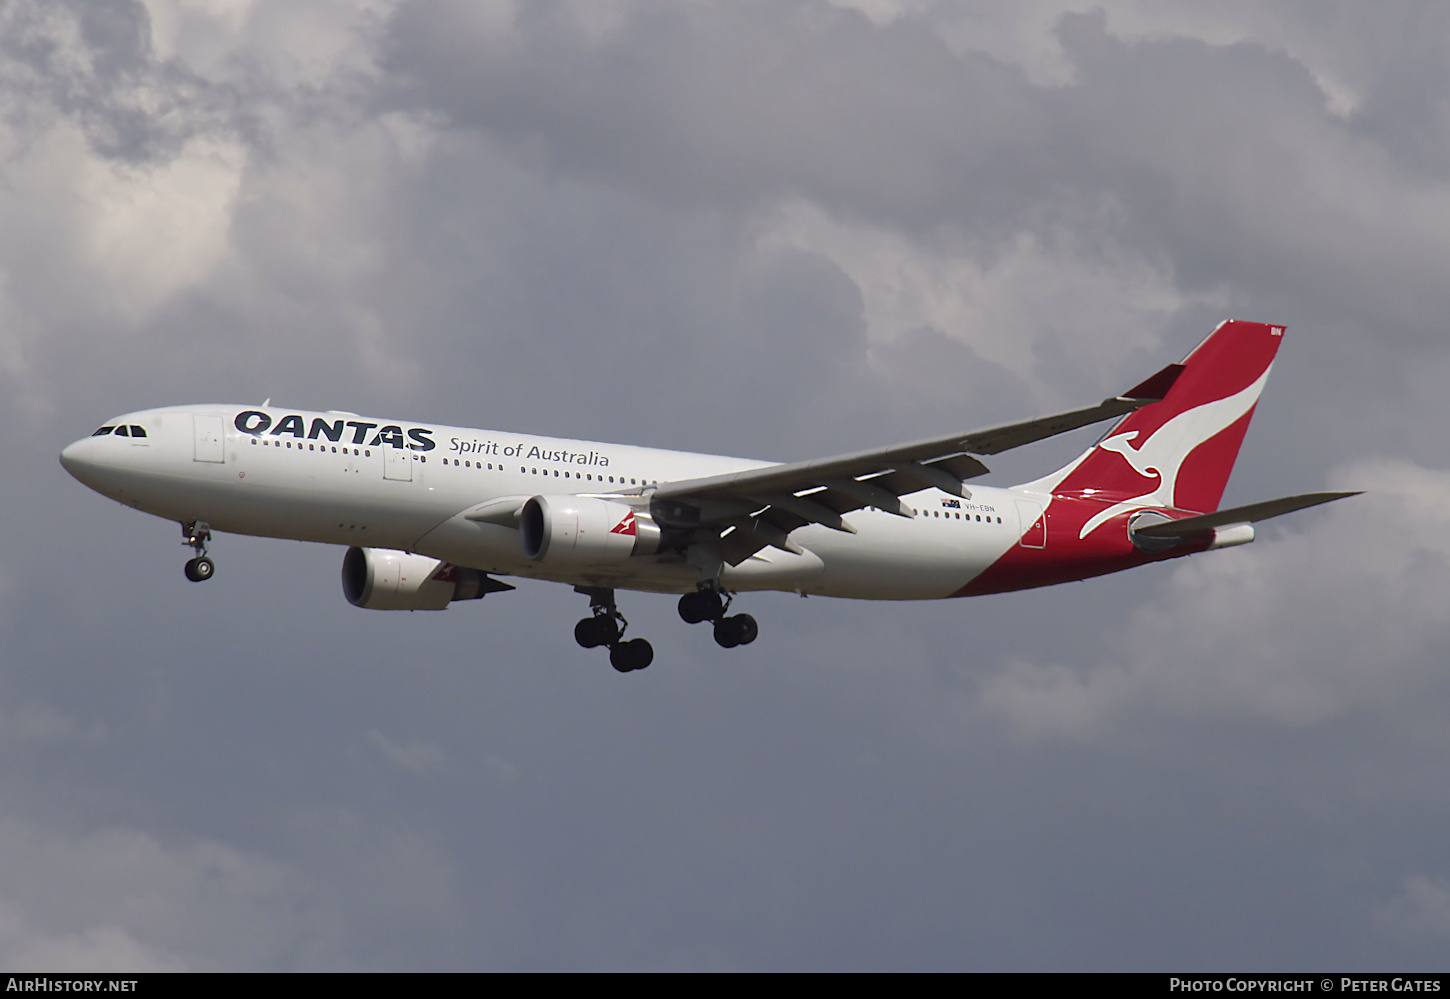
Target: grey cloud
92	63
737	105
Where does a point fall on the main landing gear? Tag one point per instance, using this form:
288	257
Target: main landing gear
708	604
197	534
606	627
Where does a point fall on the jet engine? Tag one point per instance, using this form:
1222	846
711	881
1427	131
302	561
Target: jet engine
577	530
382	579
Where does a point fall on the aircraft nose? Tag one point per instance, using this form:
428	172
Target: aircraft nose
76	459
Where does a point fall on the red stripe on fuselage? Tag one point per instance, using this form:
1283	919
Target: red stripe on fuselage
1067	557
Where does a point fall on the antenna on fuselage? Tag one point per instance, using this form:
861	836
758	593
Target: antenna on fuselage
267	403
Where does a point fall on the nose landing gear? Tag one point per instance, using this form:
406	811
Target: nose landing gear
197	534
606	627
708	604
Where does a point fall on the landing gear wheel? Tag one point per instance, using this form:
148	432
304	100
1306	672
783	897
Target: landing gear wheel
593	632
747	628
738	630
702	605
725	633
629	656
200	569
607	627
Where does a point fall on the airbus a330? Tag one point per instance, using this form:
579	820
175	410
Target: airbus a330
431	514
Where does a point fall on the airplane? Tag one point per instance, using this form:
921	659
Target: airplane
432	514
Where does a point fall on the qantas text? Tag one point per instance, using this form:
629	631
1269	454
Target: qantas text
256	423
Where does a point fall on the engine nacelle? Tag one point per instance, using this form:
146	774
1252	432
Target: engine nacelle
383	579
577	530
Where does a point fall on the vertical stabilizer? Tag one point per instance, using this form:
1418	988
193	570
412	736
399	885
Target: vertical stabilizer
1179	452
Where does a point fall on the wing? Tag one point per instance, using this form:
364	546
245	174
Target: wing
757	507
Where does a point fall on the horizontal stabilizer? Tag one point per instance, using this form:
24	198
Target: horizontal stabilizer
1190	526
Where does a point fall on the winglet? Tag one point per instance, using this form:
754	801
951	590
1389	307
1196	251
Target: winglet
1155	387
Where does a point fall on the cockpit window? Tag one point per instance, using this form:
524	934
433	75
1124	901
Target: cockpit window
122	432
136	431
103	431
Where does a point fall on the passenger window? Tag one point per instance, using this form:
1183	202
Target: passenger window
367	453
103	431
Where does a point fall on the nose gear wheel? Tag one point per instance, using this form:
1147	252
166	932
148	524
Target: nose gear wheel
196	534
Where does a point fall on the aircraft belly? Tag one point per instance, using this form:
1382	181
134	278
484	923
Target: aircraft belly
891	558
489	547
248	497
774	569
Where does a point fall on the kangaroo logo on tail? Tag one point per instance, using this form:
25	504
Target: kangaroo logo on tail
1163	453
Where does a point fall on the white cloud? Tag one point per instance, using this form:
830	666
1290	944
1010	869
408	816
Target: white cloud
1025	34
152	231
93	949
884	12
117	899
1347	609
293	43
416	756
39	724
1039	292
120	898
1420	911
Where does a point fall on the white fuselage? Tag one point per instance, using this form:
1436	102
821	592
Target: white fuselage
337	478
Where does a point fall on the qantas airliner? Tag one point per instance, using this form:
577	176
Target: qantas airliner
433	514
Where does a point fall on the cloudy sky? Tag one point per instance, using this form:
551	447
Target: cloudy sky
779	229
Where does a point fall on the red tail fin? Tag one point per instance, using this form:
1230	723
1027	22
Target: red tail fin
1179	452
